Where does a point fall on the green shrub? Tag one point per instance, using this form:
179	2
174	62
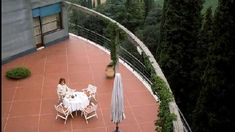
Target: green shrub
18	73
165	120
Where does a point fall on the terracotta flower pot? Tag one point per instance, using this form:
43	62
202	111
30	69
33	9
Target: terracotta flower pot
109	71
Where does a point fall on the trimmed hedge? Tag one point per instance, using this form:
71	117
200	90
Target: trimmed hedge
165	121
18	73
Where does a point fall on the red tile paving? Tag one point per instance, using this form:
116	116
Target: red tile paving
28	104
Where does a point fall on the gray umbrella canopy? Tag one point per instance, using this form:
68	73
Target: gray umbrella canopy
117	102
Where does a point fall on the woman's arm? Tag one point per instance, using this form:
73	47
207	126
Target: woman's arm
70	89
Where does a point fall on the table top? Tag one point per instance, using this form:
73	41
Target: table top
76	101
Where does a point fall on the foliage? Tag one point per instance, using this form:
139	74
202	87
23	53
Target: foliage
159	2
134	15
205	39
148	5
151	30
159	88
210	3
197	56
149	68
18	73
165	121
214	111
115	34
181	23
113	9
86	3
207	4
128	13
149	33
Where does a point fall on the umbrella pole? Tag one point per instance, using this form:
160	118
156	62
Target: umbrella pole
116	128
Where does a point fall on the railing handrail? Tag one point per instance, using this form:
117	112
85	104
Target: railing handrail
177	124
142	66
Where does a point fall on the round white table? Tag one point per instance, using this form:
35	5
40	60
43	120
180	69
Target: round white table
78	102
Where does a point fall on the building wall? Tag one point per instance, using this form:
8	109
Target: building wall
40	3
17	27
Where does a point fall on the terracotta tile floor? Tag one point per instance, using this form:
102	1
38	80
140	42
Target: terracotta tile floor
28	105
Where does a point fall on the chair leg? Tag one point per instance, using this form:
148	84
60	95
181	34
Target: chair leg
71	115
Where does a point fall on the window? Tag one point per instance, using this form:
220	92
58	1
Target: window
51	23
46	19
49	18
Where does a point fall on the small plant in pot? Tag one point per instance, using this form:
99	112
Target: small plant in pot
110	70
18	73
115	35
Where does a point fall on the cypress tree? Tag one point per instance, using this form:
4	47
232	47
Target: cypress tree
180	27
148	5
206	40
214	110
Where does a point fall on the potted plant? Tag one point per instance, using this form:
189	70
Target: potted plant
114	35
110	70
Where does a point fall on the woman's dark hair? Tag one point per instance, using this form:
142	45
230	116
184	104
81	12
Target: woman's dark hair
61	80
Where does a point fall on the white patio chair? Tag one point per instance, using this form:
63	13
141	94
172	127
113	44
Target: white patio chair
92	101
90	91
63	112
89	112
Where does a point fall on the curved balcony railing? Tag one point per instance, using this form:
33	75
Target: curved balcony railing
134	55
135	62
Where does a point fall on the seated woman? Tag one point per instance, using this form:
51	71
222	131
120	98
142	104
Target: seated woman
62	88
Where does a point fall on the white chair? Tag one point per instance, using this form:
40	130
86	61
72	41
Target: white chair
90	91
63	112
92	101
89	112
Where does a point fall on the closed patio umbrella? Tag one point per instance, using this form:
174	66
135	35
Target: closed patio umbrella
117	103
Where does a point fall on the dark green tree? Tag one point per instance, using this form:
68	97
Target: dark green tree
129	13
151	29
116	35
114	9
86	3
148	5
181	23
206	39
98	2
134	15
214	110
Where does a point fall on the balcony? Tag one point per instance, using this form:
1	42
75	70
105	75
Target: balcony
29	104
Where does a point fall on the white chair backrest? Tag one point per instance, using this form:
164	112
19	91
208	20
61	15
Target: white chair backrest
62	112
90	112
60	108
91	88
91	108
